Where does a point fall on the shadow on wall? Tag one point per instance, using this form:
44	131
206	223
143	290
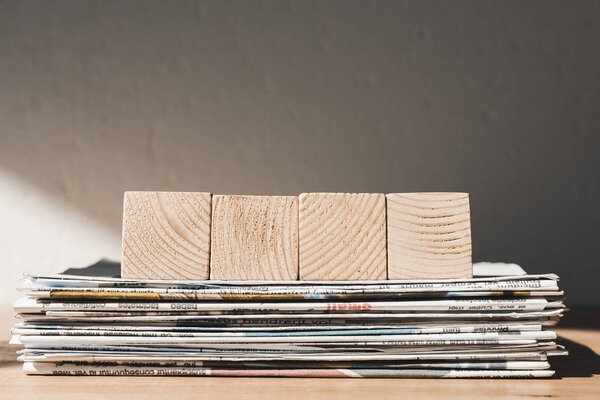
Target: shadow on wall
484	98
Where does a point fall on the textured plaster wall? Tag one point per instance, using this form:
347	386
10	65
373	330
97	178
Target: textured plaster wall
500	99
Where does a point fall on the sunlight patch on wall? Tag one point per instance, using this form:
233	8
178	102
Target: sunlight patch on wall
44	234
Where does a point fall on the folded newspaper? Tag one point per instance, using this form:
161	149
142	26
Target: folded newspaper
497	324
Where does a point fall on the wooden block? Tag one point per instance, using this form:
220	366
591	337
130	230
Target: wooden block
166	235
342	236
429	235
254	238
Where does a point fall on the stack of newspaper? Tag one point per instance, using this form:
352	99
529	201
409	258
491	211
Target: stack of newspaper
488	326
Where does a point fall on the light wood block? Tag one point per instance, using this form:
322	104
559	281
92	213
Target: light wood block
342	236
166	235
429	235
254	238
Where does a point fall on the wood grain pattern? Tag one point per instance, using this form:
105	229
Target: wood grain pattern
342	236
166	235
428	235
254	238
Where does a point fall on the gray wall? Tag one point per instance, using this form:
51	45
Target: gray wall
500	99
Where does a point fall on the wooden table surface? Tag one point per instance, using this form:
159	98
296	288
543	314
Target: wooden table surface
577	377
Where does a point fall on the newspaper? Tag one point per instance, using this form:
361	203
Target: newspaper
439	364
49	355
299	337
487	326
312	294
324	319
33	305
267	331
123	370
465	364
261	349
69	287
